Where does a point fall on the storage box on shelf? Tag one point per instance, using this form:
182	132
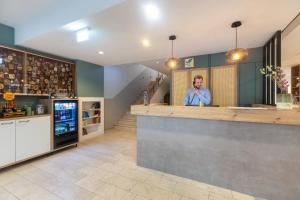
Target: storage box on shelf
91	117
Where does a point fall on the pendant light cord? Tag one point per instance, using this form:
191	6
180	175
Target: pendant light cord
236	37
172	48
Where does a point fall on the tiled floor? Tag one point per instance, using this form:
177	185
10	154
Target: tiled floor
102	169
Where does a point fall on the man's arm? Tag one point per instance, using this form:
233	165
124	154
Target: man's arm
186	98
205	97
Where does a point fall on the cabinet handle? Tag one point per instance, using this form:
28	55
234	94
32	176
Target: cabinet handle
7	123
24	121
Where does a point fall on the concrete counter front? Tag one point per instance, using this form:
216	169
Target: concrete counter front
256	152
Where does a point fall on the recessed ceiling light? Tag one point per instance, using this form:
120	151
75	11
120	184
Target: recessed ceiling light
83	35
157	62
101	52
151	12
146	43
74	26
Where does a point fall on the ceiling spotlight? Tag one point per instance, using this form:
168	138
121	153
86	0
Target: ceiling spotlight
101	52
83	34
151	12
146	43
74	26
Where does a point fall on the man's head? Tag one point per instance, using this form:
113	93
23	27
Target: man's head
198	80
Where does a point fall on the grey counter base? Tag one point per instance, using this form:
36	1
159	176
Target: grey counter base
262	160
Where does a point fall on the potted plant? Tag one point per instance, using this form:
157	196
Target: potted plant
284	100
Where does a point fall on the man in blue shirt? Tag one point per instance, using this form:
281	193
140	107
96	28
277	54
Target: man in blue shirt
197	94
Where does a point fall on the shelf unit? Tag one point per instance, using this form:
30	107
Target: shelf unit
29	95
91	117
295	82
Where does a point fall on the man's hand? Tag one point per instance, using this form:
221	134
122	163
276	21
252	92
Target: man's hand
197	92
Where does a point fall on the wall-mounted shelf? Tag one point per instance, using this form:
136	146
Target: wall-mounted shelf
25	72
91	117
33	95
90	125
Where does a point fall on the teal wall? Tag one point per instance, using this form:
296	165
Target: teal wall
90	79
250	81
7	35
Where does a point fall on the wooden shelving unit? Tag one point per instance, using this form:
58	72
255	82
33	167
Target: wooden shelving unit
29	95
91	117
295	82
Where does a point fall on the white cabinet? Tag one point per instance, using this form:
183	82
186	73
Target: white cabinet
7	142
32	137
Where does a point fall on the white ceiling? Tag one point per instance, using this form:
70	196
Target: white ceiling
118	26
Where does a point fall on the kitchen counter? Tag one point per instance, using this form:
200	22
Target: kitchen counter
238	114
250	150
23	117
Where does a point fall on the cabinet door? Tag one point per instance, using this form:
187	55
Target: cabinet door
32	137
224	85
179	86
7	142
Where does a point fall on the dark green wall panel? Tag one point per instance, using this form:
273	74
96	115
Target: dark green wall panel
247	84
90	79
7	35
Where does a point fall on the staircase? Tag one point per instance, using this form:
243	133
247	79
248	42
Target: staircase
127	122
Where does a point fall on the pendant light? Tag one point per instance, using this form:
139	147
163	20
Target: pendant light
172	62
237	54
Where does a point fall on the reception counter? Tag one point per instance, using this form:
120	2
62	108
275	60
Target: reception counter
250	150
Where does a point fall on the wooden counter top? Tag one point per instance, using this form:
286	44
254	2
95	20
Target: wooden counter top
242	114
24	117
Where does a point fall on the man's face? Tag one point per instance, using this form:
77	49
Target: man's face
198	82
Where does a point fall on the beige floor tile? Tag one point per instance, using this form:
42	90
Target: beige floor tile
111	192
72	192
121	182
5	195
90	183
191	191
140	198
22	187
218	192
149	191
7	177
240	196
103	168
111	167
41	194
134	174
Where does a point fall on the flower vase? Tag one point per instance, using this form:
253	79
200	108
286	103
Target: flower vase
284	101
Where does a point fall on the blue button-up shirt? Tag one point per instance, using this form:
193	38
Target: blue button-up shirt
193	99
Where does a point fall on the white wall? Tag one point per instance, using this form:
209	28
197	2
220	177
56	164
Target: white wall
116	78
123	85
